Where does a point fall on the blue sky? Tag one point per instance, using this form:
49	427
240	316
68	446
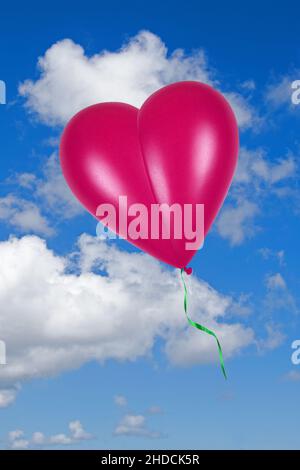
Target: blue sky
98	351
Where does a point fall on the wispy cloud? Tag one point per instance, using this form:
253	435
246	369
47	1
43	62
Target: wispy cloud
273	339
279	93
34	204
278	295
24	215
120	400
268	253
49	190
7	396
292	376
275	281
256	179
155	410
236	221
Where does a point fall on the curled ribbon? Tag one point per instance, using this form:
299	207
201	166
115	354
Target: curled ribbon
200	327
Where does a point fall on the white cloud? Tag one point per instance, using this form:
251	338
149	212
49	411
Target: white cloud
256	179
7	396
120	400
70	80
59	320
77	431
185	349
60	439
16	434
278	295
255	169
53	191
244	112
26	180
274	173
36	200
20	444
242	307
275	281
16	439
267	253
76	434
275	337
236	223
249	85
135	425
24	215
281	257
279	94
38	438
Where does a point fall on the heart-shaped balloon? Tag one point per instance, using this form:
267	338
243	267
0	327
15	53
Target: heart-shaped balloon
180	148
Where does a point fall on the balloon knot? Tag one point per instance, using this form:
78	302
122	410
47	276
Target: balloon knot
188	271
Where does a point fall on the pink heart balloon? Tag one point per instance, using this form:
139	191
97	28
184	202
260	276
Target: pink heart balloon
181	147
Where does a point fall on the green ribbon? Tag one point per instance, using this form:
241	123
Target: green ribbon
202	328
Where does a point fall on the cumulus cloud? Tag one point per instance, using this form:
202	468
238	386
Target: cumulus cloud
183	349
60	320
16	439
70	80
19	444
23	215
77	431
38	438
76	434
16	434
135	425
